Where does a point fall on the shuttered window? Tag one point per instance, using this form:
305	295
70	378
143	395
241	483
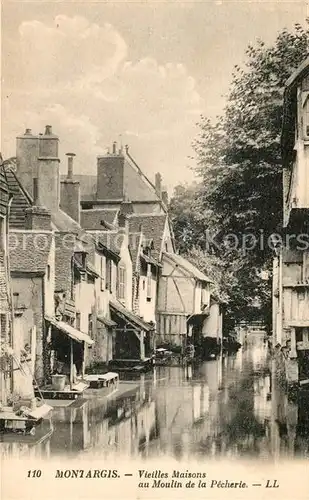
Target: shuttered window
102	273
149	287
121	282
108	275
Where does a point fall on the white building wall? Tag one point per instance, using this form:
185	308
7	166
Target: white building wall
212	326
49	283
147	308
197	297
84	301
126	261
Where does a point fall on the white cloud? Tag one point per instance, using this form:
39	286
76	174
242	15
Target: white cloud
75	75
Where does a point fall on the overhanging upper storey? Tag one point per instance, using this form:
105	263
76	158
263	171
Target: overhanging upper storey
295	148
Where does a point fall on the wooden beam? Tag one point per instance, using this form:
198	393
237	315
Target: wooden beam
71	365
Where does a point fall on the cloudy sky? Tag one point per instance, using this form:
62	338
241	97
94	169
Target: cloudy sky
140	73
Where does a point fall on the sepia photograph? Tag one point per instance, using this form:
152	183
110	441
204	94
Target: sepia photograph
154	249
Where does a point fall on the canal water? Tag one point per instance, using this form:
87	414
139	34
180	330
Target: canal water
231	407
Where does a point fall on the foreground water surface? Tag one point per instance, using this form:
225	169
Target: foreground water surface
231	407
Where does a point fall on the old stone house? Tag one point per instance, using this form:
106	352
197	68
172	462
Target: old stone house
291	269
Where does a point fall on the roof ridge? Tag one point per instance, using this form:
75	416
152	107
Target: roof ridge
148	214
139	170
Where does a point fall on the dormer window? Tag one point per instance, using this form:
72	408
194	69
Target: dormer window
80	258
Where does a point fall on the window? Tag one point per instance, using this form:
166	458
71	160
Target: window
121	282
77	321
80	258
90	324
102	273
305	101
48	272
149	283
108	274
16	300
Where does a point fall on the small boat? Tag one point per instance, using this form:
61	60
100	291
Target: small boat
108	383
131	365
68	393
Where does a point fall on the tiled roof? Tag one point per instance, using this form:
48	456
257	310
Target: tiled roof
118	308
152	227
150	260
111	240
106	321
136	184
63	222
64	252
4	303
135	240
91	219
29	251
187	266
21	200
4	191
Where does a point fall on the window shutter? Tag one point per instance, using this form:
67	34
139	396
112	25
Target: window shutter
108	278
149	294
121	282
102	273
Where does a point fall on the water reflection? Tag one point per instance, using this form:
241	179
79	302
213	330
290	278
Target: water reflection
231	407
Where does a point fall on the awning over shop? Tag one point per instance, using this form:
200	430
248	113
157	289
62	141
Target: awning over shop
197	318
150	260
130	317
69	330
107	321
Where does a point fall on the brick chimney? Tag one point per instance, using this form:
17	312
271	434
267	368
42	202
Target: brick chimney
126	209
70	192
158	184
110	175
37	216
49	143
27	153
48	169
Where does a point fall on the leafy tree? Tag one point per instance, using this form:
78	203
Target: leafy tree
238	160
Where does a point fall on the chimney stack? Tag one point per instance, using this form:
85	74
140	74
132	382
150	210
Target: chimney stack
48	130
70	165
126	208
37	216
158	184
70	192
36	200
114	148
165	197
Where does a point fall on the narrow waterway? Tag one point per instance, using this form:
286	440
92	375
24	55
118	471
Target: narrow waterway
232	407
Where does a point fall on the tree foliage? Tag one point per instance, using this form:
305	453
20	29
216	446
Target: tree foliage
238	161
